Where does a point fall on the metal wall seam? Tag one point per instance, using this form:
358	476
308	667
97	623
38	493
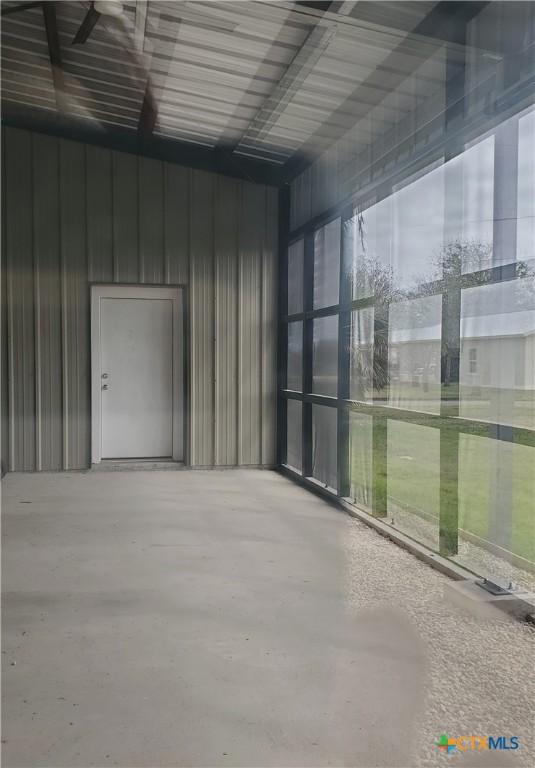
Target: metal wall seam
225	238
48	300
65	358
202	308
250	323
4	447
237	284
76	309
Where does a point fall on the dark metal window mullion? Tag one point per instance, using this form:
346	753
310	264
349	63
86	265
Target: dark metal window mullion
451	303
379	420
282	357
344	357
308	305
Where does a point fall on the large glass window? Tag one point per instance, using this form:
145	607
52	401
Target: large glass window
294	442
418	229
496	507
295	277
368	238
417	350
327	265
324	446
325	356
361	355
361	460
525	238
413	462
414	354
295	356
497	360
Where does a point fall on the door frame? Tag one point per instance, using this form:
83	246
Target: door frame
115	291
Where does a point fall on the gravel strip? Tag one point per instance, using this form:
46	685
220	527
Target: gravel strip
478	677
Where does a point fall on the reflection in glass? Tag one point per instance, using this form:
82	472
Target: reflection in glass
324	449
436	213
325	356
295	277
294	438
497	365
497	508
413	481
414	354
327	264
418	229
360	459
295	356
525	238
470	207
361	355
368	236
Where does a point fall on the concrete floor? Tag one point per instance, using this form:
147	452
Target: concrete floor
234	619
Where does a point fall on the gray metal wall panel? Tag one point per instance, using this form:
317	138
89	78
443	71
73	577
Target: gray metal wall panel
75	307
99	202
47	314
151	221
71	218
125	218
226	233
4	458
202	319
250	297
20	300
177	185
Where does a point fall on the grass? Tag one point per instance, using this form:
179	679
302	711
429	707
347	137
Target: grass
495	485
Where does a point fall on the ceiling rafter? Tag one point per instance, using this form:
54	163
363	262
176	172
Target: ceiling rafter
9	9
54	54
149	109
440	25
297	70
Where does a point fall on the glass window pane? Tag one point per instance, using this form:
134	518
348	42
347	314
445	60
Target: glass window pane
497	365
414	354
360	460
413	483
418	230
295	356
470	208
325	356
295	277
361	355
327	265
368	235
324	451
497	509
294	435
525	236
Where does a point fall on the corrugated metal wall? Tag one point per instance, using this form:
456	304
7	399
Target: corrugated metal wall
76	214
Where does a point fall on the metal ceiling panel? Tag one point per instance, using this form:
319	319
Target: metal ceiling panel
270	80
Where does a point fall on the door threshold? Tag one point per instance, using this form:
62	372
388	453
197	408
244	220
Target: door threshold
136	465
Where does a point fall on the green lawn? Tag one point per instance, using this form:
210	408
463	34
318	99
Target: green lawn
495	478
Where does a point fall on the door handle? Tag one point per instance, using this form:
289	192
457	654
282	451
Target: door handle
105	386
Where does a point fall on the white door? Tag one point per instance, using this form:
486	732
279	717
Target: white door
135	373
